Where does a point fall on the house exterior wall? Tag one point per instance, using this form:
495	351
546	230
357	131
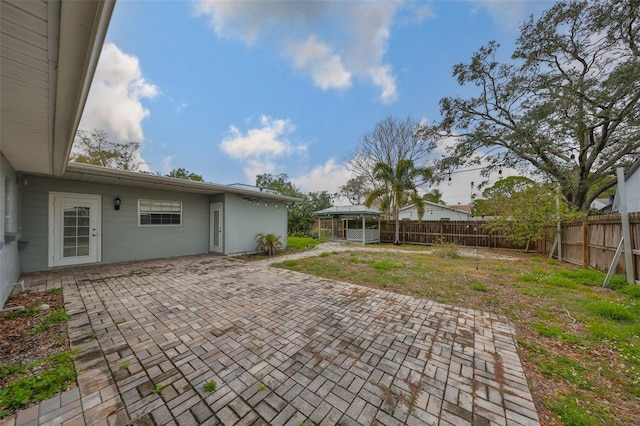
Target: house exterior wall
633	191
9	206
121	237
243	220
433	213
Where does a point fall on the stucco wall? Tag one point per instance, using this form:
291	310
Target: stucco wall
122	238
9	256
243	220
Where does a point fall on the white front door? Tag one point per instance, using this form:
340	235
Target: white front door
74	229
216	227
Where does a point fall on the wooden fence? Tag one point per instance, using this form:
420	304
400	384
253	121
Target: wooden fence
589	242
592	242
464	233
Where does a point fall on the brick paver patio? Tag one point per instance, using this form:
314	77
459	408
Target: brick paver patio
284	348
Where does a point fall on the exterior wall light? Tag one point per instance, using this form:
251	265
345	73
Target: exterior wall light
116	203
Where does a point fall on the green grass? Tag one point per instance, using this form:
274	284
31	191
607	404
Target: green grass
631	290
479	286
158	389
54	317
572	412
58	376
610	310
302	243
125	365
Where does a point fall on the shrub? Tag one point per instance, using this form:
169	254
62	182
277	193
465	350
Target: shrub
268	243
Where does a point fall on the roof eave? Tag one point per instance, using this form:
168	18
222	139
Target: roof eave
132	178
83	27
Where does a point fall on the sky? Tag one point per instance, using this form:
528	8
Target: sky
233	89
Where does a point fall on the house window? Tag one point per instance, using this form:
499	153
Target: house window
159	212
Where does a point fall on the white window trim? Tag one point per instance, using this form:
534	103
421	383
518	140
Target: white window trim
145	225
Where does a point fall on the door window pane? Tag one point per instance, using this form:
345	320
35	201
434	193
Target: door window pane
76	231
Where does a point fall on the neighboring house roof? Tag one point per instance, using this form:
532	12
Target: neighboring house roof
463	207
429	203
633	169
601	203
49	54
89	173
358	210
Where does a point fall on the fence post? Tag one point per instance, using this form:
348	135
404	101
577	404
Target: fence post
585	242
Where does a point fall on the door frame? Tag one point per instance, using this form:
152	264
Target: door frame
220	247
94	219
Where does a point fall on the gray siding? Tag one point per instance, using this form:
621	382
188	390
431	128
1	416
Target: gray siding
9	256
122	238
243	221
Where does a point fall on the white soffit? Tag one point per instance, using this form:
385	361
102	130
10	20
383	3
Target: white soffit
45	74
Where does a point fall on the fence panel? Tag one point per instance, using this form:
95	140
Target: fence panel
465	233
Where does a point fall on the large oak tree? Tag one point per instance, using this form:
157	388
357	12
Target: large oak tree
566	106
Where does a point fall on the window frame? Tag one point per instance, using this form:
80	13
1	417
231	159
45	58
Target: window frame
171	212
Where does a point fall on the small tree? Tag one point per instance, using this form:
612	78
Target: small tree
95	148
268	243
526	214
397	187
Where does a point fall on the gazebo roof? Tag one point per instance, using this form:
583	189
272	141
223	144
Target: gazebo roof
359	210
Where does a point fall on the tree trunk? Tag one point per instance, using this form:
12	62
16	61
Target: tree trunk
397	241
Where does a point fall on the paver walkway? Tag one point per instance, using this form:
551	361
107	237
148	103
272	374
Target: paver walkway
283	348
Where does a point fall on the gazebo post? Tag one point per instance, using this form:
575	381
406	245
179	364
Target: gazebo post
364	233
379	232
346	231
319	231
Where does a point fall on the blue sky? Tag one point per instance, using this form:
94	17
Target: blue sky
229	90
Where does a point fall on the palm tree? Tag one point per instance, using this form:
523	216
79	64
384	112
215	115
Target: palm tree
398	187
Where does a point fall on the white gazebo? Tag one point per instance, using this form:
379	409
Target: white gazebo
365	223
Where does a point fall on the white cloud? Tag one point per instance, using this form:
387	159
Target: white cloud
181	106
114	103
383	78
354	36
318	59
329	177
260	147
509	14
167	163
